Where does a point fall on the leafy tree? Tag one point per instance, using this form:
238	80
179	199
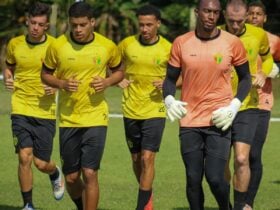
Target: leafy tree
116	18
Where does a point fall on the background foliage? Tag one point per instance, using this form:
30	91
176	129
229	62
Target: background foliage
114	18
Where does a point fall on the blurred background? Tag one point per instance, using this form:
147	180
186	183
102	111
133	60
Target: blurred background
114	18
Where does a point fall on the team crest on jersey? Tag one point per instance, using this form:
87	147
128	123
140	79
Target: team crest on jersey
218	58
157	61
250	51
97	60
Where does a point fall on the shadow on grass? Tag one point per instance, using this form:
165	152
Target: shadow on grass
5	207
276	182
206	208
103	209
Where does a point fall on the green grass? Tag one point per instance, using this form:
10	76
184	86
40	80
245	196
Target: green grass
118	187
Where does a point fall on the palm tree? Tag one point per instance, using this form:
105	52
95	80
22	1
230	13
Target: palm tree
116	18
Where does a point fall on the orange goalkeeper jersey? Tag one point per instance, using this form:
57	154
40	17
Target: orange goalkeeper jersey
206	73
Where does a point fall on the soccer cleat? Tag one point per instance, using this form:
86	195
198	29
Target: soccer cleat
28	206
58	186
149	205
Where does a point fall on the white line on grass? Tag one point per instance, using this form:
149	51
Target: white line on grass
273	119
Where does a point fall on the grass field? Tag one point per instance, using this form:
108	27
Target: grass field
117	183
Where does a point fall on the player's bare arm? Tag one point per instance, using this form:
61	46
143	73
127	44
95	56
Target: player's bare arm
9	78
259	79
49	90
124	83
100	84
158	84
49	79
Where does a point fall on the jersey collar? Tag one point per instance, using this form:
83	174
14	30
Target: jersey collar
35	43
148	44
210	38
82	43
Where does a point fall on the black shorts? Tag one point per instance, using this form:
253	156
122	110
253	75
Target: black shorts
34	132
263	125
211	140
81	147
245	125
144	134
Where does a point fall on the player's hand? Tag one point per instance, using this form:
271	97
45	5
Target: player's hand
274	72
158	84
9	80
99	84
175	108
49	90
124	83
259	79
224	116
71	84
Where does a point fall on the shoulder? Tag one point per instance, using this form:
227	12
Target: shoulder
59	41
272	36
229	37
17	39
50	37
223	27
102	40
164	41
255	31
128	40
184	37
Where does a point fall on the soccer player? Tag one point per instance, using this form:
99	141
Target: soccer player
257	16
145	57
33	104
76	64
204	58
245	124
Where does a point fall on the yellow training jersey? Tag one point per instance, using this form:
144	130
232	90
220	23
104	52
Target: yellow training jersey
144	64
256	43
85	107
28	97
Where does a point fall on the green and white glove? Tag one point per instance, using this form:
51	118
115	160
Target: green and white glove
224	116
175	108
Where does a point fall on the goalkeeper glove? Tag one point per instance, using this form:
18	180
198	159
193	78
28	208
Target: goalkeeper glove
175	108
224	116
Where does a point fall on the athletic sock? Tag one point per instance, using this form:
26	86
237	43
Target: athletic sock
78	202
27	197
143	198
239	200
55	175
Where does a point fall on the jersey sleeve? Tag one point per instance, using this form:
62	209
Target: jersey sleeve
239	53
121	48
175	56
115	58
10	59
50	60
264	52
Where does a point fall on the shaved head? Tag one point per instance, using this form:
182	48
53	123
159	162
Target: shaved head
237	4
235	16
202	2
